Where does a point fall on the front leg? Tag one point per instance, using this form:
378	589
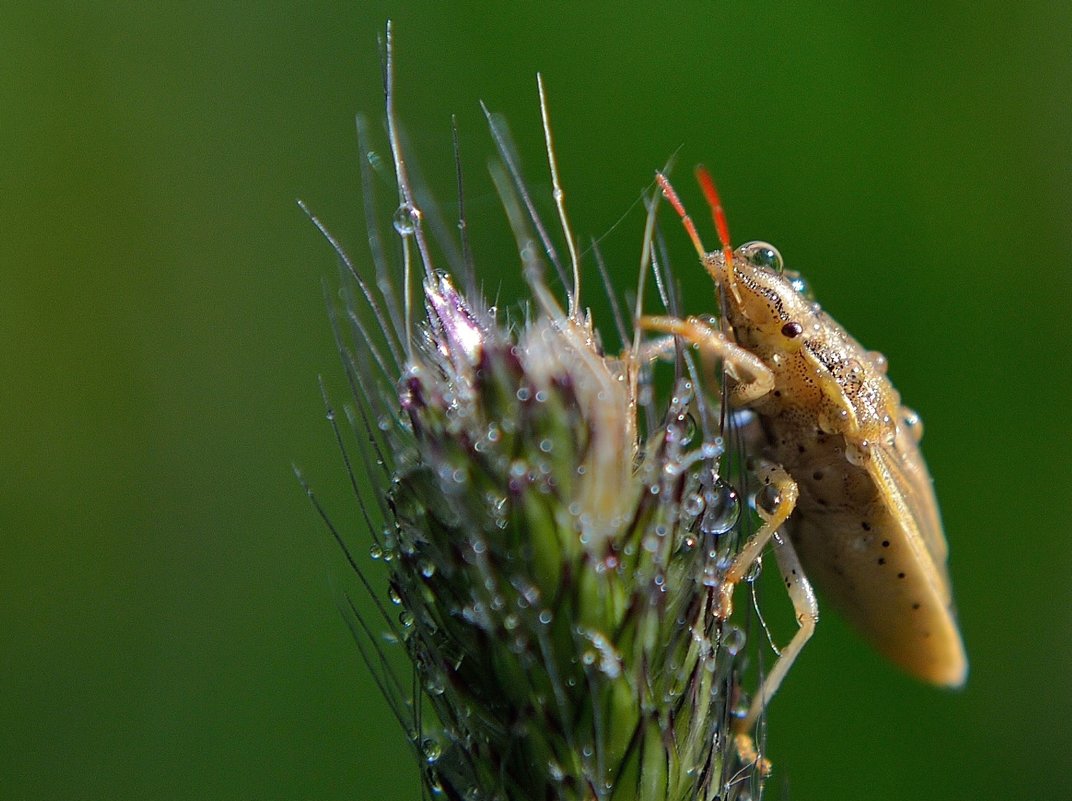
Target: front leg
754	379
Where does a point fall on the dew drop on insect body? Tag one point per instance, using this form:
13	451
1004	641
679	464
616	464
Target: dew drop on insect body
763	254
799	284
858	453
913	423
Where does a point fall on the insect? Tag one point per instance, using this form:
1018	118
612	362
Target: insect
845	480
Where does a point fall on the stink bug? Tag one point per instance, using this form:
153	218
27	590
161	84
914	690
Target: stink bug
840	457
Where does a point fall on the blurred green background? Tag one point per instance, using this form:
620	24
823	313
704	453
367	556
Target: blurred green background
167	614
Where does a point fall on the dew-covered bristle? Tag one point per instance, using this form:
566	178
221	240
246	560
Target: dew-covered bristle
548	523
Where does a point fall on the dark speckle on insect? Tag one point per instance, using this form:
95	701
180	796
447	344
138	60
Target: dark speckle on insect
865	525
885	543
900	575
882	560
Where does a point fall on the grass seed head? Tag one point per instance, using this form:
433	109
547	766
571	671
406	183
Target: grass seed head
555	561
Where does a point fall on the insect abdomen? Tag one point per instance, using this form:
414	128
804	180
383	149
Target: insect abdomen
864	560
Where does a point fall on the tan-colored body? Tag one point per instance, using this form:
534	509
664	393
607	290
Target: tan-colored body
866	525
841	455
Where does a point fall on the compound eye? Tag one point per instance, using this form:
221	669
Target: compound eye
792	330
763	254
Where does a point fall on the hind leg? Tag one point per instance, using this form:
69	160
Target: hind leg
807	611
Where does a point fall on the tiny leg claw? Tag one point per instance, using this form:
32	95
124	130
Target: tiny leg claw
747	753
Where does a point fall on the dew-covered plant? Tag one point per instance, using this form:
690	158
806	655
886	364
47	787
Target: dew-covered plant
554	519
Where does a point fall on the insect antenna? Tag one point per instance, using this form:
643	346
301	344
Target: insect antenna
722	274
671	195
718	214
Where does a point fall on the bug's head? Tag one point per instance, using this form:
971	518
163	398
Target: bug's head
765	304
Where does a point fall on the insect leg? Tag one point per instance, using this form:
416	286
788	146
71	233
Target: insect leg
807	612
784	501
754	378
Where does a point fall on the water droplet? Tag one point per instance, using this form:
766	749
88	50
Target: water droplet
694	504
723	509
404	220
375	551
763	254
392	593
431	750
435	683
427	568
689	426
800	284
767	499
406	619
913	423
733	639
710	575
858	453
523	394
545	617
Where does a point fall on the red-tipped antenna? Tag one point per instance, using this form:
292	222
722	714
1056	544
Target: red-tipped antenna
714	269
686	220
717	214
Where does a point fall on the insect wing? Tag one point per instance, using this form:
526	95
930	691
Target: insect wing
905	488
